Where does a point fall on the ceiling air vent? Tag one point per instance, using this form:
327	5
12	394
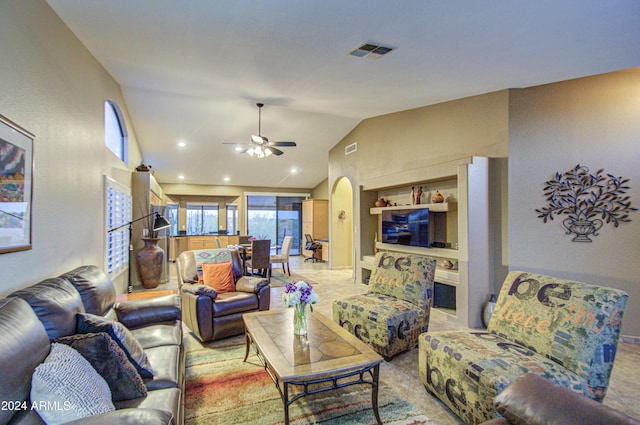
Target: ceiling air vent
351	148
371	51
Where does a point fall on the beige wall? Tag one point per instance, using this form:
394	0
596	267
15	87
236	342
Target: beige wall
592	121
321	191
408	140
53	87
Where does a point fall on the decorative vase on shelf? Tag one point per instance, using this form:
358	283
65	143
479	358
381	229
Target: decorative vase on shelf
437	198
150	262
381	203
413	195
487	310
300	319
447	265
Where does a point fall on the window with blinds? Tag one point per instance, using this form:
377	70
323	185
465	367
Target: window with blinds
117	214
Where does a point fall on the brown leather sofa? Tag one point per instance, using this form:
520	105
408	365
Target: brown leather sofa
534	400
32	317
213	316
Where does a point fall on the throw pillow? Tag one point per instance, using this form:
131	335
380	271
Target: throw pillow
202	256
65	387
219	277
111	362
89	323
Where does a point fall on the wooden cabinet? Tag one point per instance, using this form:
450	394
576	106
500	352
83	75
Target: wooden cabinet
202	242
187	243
315	221
209	241
146	194
325	251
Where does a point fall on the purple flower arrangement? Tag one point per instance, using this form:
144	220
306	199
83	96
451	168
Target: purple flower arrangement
299	292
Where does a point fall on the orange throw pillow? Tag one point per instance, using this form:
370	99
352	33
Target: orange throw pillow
219	276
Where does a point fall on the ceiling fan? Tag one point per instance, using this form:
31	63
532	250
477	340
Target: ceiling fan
260	146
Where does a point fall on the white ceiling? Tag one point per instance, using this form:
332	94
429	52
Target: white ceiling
194	70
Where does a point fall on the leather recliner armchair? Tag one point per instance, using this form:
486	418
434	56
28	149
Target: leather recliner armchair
213	316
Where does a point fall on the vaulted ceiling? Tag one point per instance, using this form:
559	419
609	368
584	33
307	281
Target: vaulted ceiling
194	70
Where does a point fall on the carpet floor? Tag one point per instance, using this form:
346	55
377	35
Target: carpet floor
222	389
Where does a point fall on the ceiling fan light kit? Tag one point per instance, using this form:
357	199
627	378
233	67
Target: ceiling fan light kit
259	152
260	146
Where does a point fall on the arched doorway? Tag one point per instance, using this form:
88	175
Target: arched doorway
341	255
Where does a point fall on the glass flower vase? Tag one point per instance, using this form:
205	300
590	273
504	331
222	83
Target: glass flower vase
300	319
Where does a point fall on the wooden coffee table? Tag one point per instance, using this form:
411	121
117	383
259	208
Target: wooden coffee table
327	358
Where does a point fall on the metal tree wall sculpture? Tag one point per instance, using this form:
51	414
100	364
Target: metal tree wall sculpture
589	201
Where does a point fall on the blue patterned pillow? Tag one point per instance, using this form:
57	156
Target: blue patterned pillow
89	323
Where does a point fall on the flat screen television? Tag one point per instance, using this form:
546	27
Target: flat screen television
406	227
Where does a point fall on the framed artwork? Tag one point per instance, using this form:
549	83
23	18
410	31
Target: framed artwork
16	186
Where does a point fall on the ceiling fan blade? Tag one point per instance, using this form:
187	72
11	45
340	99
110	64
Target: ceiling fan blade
261	140
290	144
275	151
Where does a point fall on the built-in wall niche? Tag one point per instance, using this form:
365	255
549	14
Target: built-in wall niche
402	195
465	185
443	221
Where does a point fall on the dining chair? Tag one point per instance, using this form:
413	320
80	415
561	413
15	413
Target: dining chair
283	258
218	243
260	257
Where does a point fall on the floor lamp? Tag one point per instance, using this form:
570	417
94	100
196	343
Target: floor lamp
158	224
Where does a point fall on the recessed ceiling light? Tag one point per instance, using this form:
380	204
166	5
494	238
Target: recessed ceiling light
182	144
293	171
226	179
181	177
238	149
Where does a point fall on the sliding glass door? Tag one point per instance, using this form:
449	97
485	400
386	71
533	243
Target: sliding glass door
274	217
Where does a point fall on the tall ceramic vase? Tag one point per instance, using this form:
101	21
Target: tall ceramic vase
150	262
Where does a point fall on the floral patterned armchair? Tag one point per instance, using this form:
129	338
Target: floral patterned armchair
565	331
395	310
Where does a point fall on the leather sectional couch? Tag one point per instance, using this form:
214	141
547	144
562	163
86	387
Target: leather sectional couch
34	317
534	400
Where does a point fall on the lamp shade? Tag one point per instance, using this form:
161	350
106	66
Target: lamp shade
160	223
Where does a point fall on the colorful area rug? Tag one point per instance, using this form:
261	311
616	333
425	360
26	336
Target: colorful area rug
222	389
279	279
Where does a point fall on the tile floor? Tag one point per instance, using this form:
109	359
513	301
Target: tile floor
402	372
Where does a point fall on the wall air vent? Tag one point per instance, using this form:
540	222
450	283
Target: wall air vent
351	148
371	51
